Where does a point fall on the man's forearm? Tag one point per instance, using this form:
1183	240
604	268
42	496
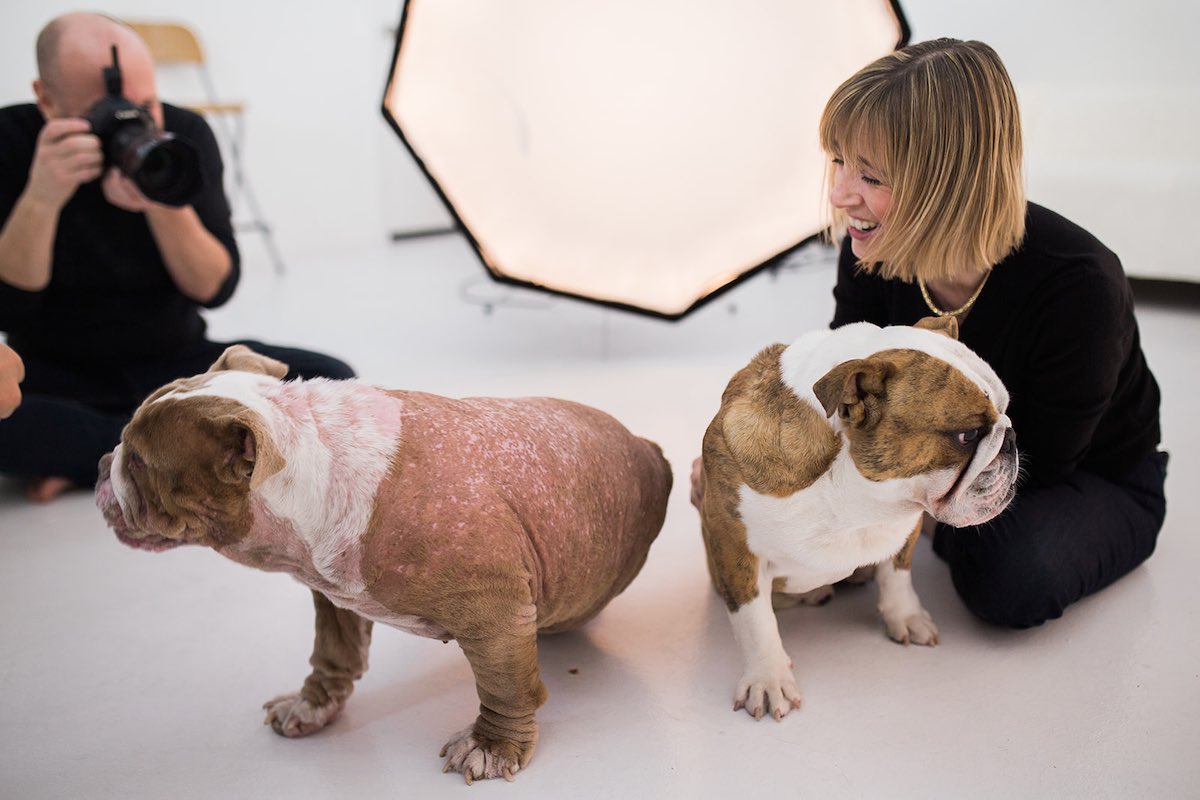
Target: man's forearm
196	259
27	244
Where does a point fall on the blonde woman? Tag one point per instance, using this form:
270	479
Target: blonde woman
926	184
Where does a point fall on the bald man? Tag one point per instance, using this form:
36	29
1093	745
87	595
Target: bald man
101	288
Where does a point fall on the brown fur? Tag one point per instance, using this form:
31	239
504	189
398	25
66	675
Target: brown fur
240	357
947	326
339	656
890	439
207	507
903	558
765	437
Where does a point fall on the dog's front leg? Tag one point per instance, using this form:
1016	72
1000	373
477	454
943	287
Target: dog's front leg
503	656
903	615
767	683
338	659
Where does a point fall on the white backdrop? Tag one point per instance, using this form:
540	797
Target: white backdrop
1112	104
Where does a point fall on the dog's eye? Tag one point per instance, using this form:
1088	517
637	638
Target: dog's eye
965	438
136	461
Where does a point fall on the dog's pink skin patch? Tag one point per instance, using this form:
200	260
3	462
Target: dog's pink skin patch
338	439
558	490
271	545
338	419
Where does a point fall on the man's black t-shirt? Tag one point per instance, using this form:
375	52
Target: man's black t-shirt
110	300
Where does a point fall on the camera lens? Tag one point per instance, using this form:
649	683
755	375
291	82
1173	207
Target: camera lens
158	168
168	171
165	169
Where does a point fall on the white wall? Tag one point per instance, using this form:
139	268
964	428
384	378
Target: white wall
1111	101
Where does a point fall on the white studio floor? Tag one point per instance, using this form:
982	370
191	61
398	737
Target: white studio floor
126	674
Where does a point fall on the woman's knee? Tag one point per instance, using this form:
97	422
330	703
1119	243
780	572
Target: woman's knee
1010	594
1056	546
1010	585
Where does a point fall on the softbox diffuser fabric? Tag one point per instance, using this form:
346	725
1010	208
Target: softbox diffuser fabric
639	153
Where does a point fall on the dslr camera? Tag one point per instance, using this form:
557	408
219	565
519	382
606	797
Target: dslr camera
165	167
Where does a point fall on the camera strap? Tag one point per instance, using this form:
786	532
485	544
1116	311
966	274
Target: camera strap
112	76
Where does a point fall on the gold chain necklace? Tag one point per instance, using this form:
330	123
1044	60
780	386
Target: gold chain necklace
964	308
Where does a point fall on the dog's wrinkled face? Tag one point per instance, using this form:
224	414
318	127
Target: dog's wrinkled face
185	466
912	416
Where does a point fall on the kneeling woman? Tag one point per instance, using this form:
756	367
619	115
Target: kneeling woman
926	180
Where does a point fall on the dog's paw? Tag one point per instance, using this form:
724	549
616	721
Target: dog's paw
291	715
475	759
914	628
761	694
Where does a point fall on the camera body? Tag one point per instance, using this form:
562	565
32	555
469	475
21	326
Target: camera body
166	168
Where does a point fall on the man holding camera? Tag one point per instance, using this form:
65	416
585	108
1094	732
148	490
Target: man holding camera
101	287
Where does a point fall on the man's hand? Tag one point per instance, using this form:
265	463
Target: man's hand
122	192
68	154
65	155
12	372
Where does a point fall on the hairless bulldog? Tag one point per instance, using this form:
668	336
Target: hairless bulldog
481	520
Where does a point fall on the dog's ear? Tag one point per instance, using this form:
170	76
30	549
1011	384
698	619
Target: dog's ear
947	326
779	449
242	358
855	390
249	451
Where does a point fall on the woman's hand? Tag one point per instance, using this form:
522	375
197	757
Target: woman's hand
12	372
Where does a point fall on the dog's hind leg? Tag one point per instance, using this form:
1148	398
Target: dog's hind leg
500	642
781	598
339	658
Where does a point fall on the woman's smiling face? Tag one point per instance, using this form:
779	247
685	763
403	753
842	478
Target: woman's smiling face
860	192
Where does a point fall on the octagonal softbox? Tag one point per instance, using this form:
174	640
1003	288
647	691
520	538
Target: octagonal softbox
644	154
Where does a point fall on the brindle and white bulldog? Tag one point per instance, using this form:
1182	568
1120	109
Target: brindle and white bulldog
481	520
823	459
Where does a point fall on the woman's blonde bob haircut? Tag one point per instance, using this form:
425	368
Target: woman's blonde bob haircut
938	123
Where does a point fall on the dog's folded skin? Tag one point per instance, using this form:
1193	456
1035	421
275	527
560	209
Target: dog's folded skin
485	521
793	502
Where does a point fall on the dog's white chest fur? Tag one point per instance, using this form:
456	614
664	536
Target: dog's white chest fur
813	538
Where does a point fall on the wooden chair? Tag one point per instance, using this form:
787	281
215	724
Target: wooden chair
176	45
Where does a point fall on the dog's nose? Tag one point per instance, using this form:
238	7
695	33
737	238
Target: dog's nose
1010	442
